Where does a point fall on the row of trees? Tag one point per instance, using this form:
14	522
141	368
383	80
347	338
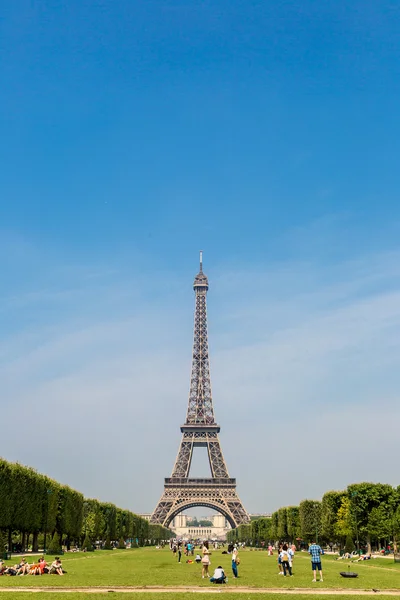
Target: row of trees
32	504
363	514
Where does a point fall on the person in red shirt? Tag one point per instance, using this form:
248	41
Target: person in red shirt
43	566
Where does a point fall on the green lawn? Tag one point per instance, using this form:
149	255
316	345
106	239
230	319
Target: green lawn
151	567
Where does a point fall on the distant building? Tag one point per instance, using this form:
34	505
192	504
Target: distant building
182	527
146	516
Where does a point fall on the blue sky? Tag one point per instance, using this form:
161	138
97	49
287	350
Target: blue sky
134	134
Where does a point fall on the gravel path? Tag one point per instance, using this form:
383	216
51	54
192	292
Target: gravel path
202	590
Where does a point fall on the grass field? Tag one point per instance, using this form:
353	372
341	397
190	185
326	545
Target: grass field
152	567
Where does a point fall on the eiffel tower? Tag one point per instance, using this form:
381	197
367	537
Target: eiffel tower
200	429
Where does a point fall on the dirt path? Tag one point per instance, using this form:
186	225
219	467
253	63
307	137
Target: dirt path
202	590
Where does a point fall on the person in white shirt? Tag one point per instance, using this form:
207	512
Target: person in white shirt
291	556
219	576
285	560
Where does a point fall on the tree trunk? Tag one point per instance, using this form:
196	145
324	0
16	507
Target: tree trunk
35	542
10	539
369	551
23	541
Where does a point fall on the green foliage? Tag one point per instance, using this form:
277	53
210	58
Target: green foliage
33	503
260	530
121	543
87	544
349	545
107	545
70	512
157	533
274	526
293	522
202	523
282	524
372	509
343	523
310	520
55	546
3	542
331	503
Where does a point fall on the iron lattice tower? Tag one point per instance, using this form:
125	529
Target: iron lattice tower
200	429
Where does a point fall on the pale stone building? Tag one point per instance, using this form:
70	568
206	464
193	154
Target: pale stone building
183	529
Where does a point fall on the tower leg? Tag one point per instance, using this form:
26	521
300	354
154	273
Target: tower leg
216	458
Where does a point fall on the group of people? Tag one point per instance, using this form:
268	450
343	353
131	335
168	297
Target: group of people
176	548
285	559
219	573
39	568
286	555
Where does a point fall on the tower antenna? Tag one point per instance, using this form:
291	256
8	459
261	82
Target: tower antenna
201	261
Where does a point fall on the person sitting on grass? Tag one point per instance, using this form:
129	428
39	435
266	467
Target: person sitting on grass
23	567
219	576
198	558
43	565
56	567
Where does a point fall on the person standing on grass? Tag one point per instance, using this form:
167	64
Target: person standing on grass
285	560
280	560
205	561
291	555
179	551
316	551
235	562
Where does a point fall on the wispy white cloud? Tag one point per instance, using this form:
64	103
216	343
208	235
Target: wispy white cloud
301	354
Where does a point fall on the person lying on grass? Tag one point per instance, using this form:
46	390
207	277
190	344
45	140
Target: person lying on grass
35	569
363	557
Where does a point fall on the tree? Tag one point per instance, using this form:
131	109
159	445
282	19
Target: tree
310	520
121	543
343	525
87	544
379	525
55	546
293	522
282	524
349	545
205	523
107	545
364	497
3	542
274	526
331	503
